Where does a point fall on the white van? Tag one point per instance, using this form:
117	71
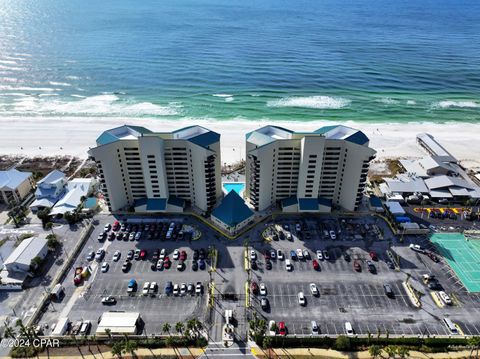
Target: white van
451	327
85	328
348	328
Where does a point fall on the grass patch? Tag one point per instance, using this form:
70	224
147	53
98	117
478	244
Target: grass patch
4	240
22	237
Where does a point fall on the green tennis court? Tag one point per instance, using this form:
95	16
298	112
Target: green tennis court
462	255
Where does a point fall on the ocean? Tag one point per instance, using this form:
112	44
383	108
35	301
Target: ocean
339	60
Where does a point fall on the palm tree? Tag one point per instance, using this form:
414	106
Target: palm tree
166	328
391	350
9	332
129	346
403	351
109	333
117	349
179	327
374	351
473	342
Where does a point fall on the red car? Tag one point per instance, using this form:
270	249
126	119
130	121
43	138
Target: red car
373	255
433	257
316	266
254	288
266	254
116	226
183	255
143	254
357	266
166	262
282	329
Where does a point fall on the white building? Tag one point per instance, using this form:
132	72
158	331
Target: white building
14	186
306	171
119	323
16	267
49	190
137	167
76	189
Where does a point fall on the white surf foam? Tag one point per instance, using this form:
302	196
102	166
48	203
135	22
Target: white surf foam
456	104
411	102
388	101
102	105
222	95
72	77
54	83
317	102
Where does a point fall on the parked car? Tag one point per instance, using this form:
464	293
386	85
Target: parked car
130	254
301	299
263	289
254	288
107	227
293	255
356	266
116	256
199	288
253	255
160	264
194	265
371	267
105	267
433	257
126	266
266	254
299	254
272	328
146	288
388	290
268	265
315	264
109	300
282	329
101	237
306	254
180	266
137	254
326	255
349	329
314	289
168	288
176	289
280	255
273	254
288	265
90	256
132	286
85	328
346	256
319	255
332	234
373	255
143	254
195	254
183	256
445	297
176	254
264	303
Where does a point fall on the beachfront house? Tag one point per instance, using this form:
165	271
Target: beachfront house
49	190
14	186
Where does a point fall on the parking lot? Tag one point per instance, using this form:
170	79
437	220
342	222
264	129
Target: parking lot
84	302
346	295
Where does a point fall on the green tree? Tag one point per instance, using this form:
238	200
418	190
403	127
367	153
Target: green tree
179	327
374	351
391	350
52	242
8	332
117	349
474	343
129	346
108	332
166	328
403	351
35	263
342	343
44	215
267	342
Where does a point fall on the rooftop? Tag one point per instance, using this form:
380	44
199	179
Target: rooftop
27	250
11	179
53	177
232	210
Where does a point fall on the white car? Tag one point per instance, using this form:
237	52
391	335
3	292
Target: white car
176	289
333	236
288	265
138	235
314	289
416	248
349	329
116	256
160	264
253	255
299	254
319	255
198	288
153	287
273	254
301	299
289	236
107	227
146	288
183	289
445	297
280	255
298	228
176	254
100	254
105	267
163	253
263	289
271	325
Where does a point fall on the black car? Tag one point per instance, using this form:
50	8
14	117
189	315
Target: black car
156	254
195	254
201	254
168	288
281	235
126	266
253	264
390	265
346	256
435	285
130	254
194	266
268	265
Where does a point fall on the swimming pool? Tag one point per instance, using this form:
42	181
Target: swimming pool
235	186
462	255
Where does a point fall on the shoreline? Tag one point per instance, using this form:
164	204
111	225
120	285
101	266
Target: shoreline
74	135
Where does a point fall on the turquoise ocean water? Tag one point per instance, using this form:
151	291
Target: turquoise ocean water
371	61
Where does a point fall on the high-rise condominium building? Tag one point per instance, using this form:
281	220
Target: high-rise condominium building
306	171
136	165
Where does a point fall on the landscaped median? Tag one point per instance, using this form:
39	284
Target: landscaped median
247	295
211	299
246	262
412	294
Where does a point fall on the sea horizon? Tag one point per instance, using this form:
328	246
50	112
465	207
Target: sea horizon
276	61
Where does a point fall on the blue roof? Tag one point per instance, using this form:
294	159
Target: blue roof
358	137
308	204
290	201
53	177
324	201
175	201
153	204
341	132
375	201
205	139
13	178
232	210
117	133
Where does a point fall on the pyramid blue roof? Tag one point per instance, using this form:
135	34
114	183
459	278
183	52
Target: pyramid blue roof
232	210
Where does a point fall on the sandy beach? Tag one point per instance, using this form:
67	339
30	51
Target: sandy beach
74	135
